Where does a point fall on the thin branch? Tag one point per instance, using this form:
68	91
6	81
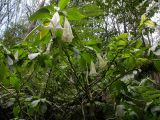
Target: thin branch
73	69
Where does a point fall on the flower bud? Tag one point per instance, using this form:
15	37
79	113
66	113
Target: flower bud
67	32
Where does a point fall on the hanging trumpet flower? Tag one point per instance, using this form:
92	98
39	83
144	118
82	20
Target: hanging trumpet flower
55	22
67	32
16	56
49	47
101	61
92	69
33	55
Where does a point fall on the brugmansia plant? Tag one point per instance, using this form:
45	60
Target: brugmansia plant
56	73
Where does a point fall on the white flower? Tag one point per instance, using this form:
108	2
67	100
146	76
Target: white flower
67	32
33	55
16	55
92	69
102	62
49	47
55	22
9	61
157	52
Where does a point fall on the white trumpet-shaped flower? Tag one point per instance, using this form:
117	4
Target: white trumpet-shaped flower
16	55
55	22
9	61
67	32
49	47
102	62
92	69
33	55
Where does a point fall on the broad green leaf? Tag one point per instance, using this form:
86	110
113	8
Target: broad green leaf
121	43
123	36
74	14
63	4
143	19
138	44
43	33
15	82
92	42
42	13
86	57
16	110
150	24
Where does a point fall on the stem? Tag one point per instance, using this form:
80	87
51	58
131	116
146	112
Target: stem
19	104
50	72
83	113
73	69
5	88
30	76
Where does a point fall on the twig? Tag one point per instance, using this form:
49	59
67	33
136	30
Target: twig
50	72
74	71
5	88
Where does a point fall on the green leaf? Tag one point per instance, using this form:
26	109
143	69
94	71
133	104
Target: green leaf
3	71
43	33
74	14
121	43
92	42
92	11
43	108
139	44
143	19
16	110
150	24
87	57
63	3
157	65
40	14
15	82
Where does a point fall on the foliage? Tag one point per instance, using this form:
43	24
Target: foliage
70	67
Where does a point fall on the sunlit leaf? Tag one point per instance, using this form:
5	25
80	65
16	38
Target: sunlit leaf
74	14
63	3
42	13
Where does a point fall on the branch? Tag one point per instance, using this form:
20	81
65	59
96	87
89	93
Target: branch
73	69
